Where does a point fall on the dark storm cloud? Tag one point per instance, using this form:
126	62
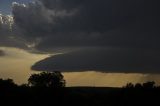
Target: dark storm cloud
81	23
103	60
7	36
129	27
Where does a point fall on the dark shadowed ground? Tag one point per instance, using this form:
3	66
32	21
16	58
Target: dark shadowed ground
79	96
48	89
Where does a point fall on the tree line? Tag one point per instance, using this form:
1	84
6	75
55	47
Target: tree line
43	79
48	88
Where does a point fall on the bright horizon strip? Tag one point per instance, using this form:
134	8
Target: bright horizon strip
17	62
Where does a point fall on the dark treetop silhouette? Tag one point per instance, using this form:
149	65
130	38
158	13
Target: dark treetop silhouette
47	79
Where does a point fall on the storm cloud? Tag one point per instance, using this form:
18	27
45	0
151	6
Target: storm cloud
115	60
104	35
81	23
8	33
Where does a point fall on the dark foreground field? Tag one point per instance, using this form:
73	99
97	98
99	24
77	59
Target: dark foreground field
48	89
79	96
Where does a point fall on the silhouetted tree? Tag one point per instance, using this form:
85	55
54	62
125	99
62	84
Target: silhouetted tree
24	85
138	85
7	83
150	84
129	85
47	79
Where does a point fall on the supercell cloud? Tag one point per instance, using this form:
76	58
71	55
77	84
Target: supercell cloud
130	28
119	60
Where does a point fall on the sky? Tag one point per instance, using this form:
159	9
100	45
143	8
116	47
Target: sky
108	42
6	5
